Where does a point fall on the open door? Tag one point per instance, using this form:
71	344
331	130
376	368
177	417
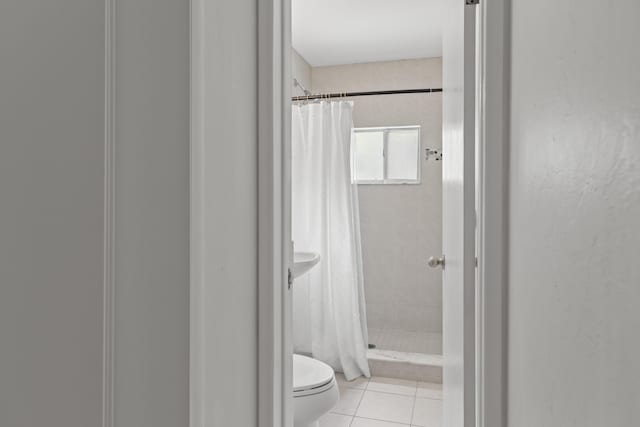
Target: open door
459	74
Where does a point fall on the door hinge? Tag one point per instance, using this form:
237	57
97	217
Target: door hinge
289	278
468	2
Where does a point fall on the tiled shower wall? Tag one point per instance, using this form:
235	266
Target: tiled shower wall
401	224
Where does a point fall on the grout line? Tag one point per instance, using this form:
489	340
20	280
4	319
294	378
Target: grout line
415	402
395	394
430	398
360	402
413	408
384	421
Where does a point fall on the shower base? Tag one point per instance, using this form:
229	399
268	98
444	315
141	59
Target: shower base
405	355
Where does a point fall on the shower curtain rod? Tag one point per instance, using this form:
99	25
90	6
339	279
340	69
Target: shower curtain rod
350	94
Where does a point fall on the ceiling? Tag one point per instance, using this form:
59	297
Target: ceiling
332	32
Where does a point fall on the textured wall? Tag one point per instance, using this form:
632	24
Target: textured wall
574	285
401	224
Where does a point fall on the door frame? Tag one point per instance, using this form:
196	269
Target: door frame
275	247
274	254
492	198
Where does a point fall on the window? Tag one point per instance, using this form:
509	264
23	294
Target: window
385	155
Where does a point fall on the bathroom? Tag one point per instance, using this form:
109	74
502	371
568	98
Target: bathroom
367	208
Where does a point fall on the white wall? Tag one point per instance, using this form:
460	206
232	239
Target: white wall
401	224
574	282
301	70
227	166
51	214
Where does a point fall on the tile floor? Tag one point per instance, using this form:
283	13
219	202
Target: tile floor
386	402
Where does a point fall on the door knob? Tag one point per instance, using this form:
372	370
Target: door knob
435	262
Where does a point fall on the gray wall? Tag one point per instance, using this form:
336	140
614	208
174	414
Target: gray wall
152	214
51	215
574	283
401	224
52	138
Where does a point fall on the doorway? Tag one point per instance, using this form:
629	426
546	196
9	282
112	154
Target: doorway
275	254
383	205
396	175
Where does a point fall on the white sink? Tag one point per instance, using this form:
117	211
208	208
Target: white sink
303	262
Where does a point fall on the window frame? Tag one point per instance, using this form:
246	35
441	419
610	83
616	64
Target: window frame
385	144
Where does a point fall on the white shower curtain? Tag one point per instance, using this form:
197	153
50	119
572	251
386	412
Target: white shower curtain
329	311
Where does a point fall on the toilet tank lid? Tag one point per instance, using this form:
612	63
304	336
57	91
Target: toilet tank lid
309	373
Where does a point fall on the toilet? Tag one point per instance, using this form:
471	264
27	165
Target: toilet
315	390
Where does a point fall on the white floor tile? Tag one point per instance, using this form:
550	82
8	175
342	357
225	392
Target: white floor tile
366	422
427	413
349	401
360	382
429	390
386	407
335	420
392	385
